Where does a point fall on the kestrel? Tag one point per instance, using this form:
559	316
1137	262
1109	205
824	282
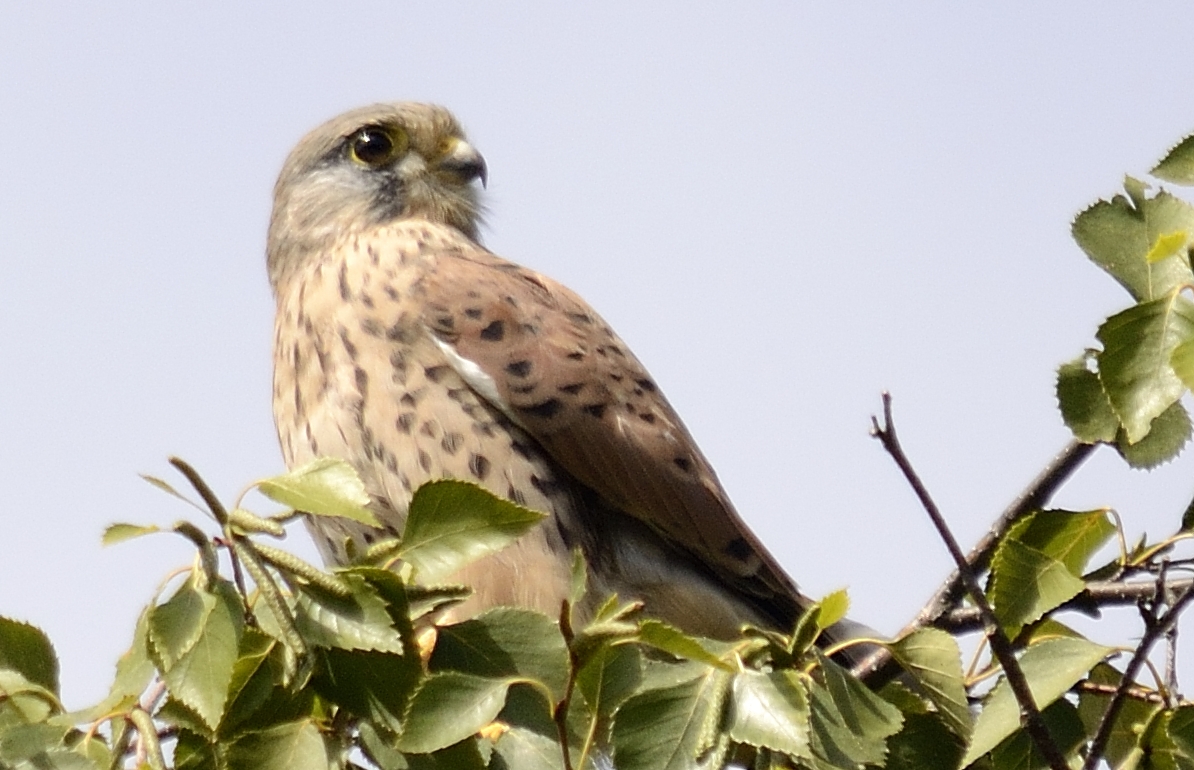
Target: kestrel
408	349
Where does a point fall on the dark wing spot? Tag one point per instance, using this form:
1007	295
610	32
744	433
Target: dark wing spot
519	368
478	465
547	487
429	428
544	409
494	331
367	301
739	549
391	292
581	318
520	448
405	421
425	461
362	379
451	442
516	496
576	355
371	327
523	390
483	428
473	312
349	348
597	410
574	388
683	463
446	322
647	417
646	385
345	292
436	373
457	394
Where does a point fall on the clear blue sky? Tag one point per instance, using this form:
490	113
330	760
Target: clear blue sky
783	207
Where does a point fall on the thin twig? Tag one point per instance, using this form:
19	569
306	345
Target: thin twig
1001	646
1154	628
1096	596
1035	495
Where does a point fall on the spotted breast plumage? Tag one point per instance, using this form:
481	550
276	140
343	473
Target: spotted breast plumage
408	349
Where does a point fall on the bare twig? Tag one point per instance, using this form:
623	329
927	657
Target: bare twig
1032	498
1111	593
1001	646
1155	626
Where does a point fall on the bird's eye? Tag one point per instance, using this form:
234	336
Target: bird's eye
377	145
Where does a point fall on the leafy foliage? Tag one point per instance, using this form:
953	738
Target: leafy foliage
256	659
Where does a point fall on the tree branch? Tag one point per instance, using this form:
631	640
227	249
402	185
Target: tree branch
1001	646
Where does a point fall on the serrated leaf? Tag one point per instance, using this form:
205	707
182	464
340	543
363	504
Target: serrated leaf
772	710
932	659
850	723
665	728
1071	537
26	648
200	677
1019	751
925	743
1084	406
453	523
23	742
1025	584
673	641
175	626
1165	440
372	685
834	606
357	622
291	746
449	707
1181	730
1130	724
24	701
1051	668
1178	164
323	487
505	642
1134	366
1168	245
523	749
611	675
119	532
1117	235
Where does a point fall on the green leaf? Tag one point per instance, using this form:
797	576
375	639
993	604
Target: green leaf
1166	438
932	659
1084	406
323	487
452	523
450	707
24	702
1181	731
610	675
505	642
1025	584
292	746
1134	366
1071	537
1020	752
671	640
358	622
850	723
522	749
1051	667
1118	234
834	607
667	728
25	648
372	685
1129	728
176	625
770	709
925	743
1178	164
201	664
119	532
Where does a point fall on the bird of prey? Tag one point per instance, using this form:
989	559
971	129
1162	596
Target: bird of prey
408	349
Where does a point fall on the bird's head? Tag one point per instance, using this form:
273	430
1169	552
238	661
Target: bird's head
371	166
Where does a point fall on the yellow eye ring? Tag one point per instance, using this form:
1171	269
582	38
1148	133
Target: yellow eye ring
375	146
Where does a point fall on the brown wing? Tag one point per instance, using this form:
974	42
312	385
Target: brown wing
560	372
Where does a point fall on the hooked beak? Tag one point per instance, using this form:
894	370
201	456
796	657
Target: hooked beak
465	162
